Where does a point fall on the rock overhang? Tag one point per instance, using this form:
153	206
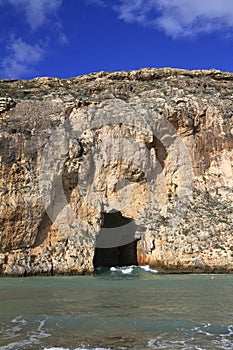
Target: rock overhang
155	143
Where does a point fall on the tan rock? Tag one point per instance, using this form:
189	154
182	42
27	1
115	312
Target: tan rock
154	144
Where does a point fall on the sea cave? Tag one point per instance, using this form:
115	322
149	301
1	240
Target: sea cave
116	244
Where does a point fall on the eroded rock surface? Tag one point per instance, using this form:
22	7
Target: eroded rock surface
154	145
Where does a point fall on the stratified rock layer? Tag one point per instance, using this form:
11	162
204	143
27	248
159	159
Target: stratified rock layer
153	145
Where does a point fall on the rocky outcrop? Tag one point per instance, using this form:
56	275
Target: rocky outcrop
108	163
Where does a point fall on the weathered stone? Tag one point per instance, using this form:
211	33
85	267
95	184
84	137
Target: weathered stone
6	103
155	145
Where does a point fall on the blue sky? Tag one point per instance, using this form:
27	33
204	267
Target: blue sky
66	38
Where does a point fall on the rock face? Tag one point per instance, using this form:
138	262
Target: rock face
117	168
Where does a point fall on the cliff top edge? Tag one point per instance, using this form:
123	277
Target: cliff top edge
140	74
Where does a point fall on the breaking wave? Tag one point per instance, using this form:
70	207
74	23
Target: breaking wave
127	270
33	333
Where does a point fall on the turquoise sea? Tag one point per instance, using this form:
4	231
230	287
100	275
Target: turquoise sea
117	308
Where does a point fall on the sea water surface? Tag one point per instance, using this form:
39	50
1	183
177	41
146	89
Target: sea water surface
117	308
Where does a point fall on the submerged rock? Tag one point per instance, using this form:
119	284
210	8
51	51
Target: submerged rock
153	146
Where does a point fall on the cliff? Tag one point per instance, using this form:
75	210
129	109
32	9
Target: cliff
117	168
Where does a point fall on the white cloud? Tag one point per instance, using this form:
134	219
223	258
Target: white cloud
100	3
22	56
132	11
37	11
23	53
179	18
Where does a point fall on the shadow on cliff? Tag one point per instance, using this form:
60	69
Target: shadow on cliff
43	230
160	150
116	243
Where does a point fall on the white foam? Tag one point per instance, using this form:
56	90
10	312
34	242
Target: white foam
127	270
77	349
33	337
19	319
148	269
12	331
159	344
124	269
113	269
56	349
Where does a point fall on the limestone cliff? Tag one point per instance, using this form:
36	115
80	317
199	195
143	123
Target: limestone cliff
117	168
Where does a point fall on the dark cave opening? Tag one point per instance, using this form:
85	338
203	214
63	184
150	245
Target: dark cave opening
116	244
